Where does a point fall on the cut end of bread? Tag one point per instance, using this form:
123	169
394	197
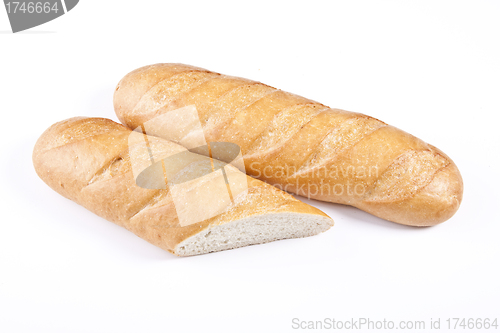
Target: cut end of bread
253	230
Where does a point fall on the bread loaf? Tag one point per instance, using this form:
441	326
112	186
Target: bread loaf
94	162
302	146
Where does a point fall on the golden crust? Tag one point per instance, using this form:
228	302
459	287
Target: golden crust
87	160
303	146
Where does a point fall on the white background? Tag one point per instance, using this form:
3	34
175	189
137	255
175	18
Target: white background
430	68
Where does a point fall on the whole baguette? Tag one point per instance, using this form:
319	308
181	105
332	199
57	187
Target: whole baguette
302	146
88	160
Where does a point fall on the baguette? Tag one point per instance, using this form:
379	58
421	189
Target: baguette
91	161
302	146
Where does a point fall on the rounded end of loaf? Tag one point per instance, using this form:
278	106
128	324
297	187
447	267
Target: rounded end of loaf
127	95
57	169
49	139
135	86
433	204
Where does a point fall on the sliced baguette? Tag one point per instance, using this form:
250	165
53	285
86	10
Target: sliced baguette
88	160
